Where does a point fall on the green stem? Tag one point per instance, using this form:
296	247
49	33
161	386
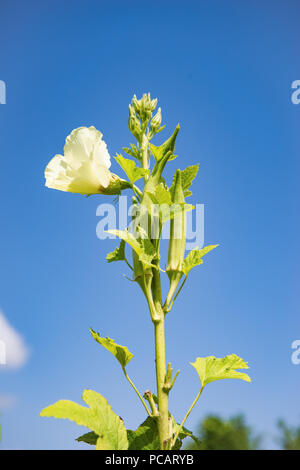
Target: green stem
149	397
137	192
144	148
160	362
136	391
168	304
128	264
162	395
187	415
154	299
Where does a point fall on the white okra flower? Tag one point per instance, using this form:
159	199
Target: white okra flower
84	167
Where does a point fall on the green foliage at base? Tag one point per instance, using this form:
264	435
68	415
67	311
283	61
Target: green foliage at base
216	433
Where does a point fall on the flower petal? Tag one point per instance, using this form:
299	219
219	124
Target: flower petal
56	174
85	143
84	166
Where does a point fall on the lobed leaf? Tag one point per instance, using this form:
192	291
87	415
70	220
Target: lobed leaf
142	246
194	258
118	254
98	416
213	368
133	172
121	353
145	437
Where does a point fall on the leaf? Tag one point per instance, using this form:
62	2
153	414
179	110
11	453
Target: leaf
168	146
118	254
187	177
88	438
133	172
194	258
213	368
184	433
145	437
142	246
99	417
134	152
121	353
159	152
162	195
167	210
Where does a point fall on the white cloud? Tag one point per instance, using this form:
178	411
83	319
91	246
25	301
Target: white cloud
13	350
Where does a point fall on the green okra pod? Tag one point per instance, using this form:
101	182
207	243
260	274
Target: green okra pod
177	239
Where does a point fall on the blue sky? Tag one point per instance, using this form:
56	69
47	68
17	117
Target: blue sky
224	71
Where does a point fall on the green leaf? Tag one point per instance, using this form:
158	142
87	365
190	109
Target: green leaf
167	210
121	353
145	437
174	210
168	146
89	438
99	417
184	433
133	172
194	258
159	152
142	246
134	152
213	368
187	177
162	195
118	254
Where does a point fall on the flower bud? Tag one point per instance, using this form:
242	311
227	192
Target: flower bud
134	123
136	104
144	107
156	122
153	103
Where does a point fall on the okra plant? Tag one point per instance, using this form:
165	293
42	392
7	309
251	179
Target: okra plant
84	169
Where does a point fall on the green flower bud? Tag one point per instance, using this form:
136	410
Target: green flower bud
134	123
136	104
153	103
156	122
177	239
144	107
